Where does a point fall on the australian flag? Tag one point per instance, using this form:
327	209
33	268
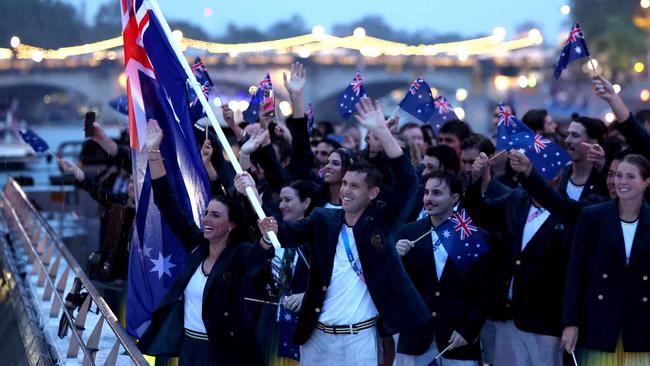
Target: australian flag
251	114
418	101
286	327
575	47
35	141
442	113
547	157
156	88
203	78
351	96
462	240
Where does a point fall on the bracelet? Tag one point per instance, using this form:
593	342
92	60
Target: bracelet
149	151
267	241
153	159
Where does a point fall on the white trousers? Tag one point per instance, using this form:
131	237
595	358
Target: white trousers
516	347
427	358
322	349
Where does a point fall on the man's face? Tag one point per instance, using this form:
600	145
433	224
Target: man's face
355	193
417	138
438	199
450	140
467	158
431	164
576	135
323	150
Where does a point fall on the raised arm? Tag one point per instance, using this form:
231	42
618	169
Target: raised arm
295	86
96	190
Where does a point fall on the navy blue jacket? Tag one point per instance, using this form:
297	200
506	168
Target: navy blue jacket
397	301
229	327
455	301
605	297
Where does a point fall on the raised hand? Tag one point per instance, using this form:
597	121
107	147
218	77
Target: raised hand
228	115
243	181
595	155
154	135
520	162
370	114
481	164
71	168
206	151
603	88
296	83
403	246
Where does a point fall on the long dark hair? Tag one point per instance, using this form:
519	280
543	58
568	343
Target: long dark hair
306	189
238	215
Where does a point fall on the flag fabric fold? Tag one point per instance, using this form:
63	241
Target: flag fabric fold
462	240
418	101
156	88
443	113
35	141
351	96
203	78
575	47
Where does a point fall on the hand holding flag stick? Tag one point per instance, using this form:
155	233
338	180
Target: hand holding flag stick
208	110
423	236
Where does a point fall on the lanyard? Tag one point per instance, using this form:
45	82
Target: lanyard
353	263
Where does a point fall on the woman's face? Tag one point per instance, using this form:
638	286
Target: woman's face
628	182
290	205
333	170
216	221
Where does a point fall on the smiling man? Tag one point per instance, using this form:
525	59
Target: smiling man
356	281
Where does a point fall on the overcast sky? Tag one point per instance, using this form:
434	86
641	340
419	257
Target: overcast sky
466	17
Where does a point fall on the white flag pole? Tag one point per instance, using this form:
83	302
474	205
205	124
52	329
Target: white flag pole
208	110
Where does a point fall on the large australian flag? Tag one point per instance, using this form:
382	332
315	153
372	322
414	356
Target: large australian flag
156	88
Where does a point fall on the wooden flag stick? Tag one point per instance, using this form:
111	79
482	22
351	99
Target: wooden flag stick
261	301
395	111
207	128
573	355
423	235
497	155
593	67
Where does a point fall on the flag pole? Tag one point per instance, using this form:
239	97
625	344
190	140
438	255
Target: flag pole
208	111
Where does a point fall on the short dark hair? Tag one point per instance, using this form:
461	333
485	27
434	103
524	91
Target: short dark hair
373	176
453	181
457	128
347	158
446	155
534	119
595	128
334	144
640	162
407	126
478	142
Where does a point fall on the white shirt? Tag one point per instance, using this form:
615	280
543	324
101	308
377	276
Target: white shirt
347	300
439	254
574	191
330	205
535	219
629	229
193	304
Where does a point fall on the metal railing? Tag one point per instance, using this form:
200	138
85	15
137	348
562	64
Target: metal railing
53	272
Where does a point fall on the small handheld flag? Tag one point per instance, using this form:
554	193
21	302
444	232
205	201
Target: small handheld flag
443	113
461	239
351	96
36	142
547	157
418	101
575	47
251	114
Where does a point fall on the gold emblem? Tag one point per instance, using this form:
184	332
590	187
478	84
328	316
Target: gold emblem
377	242
227	277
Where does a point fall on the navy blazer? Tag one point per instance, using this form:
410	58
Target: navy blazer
455	301
397	301
595	183
229	327
606	297
539	270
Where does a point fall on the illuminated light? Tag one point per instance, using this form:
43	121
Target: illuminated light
592	64
122	80
430	50
207	12
645	95
304	53
522	81
461	53
234	105
645	4
178	35
460	113
397	95
14	42
252	90
499	34
318	31
617	88
610	117
461	94
501	82
565	9
217	102
639	66
285	108
243	105
359	33
434	92
532	81
47	99
370	51
535	36
37	56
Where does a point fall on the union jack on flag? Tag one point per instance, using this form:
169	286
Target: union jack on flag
415	85
351	95
442	105
540	143
198	68
461	239
156	89
463	223
357	83
265	83
574	34
575	47
505	117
